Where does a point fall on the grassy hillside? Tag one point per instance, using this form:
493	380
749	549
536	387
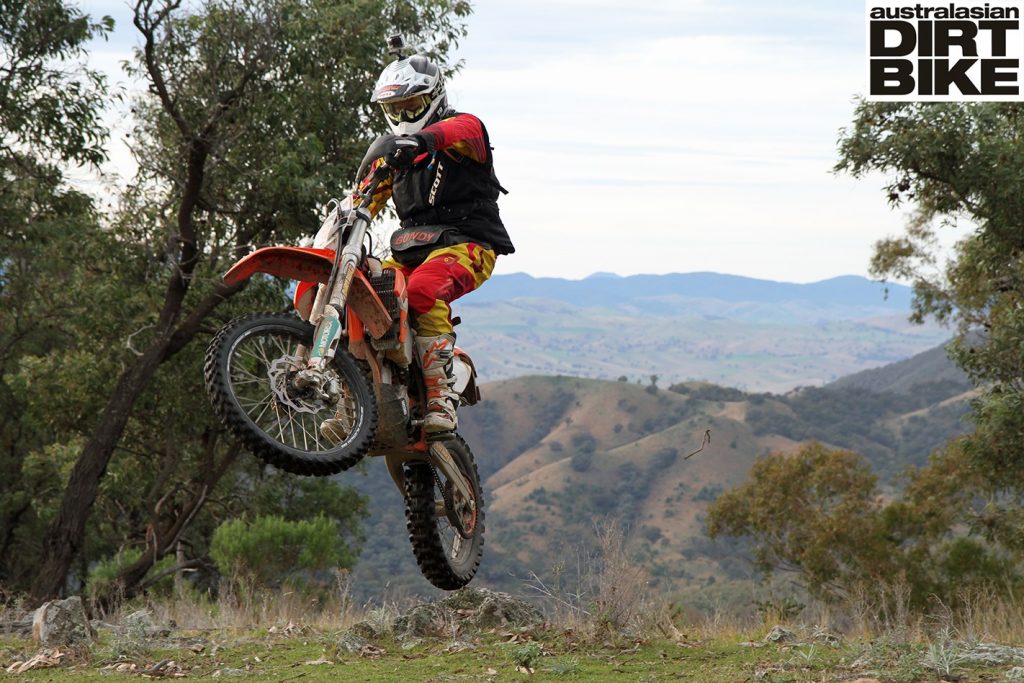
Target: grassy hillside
902	377
559	453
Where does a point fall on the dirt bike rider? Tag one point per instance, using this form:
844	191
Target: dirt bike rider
445	194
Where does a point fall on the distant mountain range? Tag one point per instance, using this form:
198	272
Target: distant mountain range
734	331
610	290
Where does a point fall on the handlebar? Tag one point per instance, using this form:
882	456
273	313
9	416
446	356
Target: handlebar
379	175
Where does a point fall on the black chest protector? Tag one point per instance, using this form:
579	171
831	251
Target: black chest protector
455	197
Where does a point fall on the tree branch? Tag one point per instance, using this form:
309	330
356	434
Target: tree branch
148	25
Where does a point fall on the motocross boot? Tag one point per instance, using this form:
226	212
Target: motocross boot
436	356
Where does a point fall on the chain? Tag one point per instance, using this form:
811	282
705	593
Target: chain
444	490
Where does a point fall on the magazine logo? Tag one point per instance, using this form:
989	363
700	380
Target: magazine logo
967	50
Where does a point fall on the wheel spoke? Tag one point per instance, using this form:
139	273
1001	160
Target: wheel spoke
252	354
308	432
260	368
249	377
280	425
259	417
283	347
249	404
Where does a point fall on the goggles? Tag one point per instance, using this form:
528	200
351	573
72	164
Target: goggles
407	109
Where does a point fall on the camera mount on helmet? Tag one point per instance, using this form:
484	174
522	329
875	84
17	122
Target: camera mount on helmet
396	46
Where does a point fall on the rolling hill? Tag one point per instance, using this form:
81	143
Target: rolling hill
559	453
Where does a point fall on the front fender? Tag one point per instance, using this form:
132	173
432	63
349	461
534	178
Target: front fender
292	263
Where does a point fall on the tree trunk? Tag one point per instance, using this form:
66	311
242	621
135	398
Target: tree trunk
64	537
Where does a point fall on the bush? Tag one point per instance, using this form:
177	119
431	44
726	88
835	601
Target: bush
104	573
709	493
582	461
584	442
664	459
540	496
270	549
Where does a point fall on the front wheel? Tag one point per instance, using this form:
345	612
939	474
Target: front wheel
250	365
447	555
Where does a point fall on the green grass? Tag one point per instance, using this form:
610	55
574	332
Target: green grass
259	655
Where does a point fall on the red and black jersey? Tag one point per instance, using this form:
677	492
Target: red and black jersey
452	185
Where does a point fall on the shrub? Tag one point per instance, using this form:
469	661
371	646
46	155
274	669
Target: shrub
104	573
709	493
584	442
270	549
582	461
664	458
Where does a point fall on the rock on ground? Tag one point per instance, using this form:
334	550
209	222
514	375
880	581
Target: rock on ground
778	634
466	610
141	624
17	627
370	630
61	623
351	643
992	655
469	609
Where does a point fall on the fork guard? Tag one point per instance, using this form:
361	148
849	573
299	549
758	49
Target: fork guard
310	265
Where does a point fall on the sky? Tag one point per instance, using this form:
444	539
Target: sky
658	137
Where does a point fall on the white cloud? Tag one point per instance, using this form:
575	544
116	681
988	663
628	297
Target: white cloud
705	152
669	135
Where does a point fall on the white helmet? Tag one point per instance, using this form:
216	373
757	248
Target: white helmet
411	93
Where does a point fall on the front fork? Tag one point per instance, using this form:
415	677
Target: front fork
329	307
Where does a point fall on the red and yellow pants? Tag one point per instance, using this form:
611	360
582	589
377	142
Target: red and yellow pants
446	274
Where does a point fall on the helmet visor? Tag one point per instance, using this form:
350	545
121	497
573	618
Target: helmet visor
407	109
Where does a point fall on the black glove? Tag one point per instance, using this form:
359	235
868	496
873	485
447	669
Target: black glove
404	151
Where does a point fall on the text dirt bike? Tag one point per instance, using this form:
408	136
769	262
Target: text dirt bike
315	397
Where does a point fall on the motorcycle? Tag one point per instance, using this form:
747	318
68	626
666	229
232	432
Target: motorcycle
313	395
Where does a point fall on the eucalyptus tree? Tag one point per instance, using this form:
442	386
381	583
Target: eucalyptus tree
962	165
255	112
51	106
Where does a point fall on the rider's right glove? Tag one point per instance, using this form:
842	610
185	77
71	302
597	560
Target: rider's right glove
404	151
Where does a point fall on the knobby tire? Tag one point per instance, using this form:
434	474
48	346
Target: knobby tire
437	566
295	460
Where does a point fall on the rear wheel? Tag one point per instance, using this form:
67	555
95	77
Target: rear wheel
447	537
250	365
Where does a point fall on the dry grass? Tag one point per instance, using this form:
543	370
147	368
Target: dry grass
603	589
241	606
988	616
